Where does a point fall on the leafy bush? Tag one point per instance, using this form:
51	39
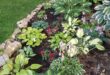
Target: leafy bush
69	66
40	25
41	14
32	36
57	38
17	67
70	26
102	14
80	41
27	51
71	8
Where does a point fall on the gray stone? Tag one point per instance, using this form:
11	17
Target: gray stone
3	59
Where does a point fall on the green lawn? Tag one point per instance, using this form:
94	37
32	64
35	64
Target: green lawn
12	11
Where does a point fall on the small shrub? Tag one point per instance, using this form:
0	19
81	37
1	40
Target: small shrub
17	67
27	51
71	8
69	66
57	38
80	41
40	25
102	14
41	14
32	36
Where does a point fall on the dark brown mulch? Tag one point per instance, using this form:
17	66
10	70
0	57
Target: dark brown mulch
96	63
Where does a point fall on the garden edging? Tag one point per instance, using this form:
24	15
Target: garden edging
11	45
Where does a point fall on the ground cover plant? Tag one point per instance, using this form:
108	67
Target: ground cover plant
60	42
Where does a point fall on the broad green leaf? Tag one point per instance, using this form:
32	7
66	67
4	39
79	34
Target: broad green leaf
23	72
100	47
30	72
95	41
35	66
19	59
49	72
99	7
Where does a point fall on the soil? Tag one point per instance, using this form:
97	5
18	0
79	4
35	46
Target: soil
96	63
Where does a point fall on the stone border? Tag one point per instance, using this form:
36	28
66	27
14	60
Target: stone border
11	45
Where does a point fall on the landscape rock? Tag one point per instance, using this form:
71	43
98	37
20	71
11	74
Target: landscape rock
22	23
17	31
3	59
12	47
2	46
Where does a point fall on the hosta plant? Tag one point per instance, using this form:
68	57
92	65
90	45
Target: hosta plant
71	8
40	24
27	51
17	67
41	14
68	66
102	14
32	36
57	38
80	42
70	26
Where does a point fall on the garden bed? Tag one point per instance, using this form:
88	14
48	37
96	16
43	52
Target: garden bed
59	40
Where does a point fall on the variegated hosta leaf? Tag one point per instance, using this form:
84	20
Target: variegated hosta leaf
95	14
106	2
74	41
106	10
85	50
95	41
80	33
99	7
100	47
72	51
70	21
87	38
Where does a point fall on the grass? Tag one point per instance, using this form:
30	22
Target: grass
12	11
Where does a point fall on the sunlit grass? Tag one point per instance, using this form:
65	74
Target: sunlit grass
12	11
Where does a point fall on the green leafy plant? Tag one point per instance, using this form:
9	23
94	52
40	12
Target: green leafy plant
40	25
70	26
27	51
41	14
18	67
71	8
48	4
80	41
102	14
57	38
32	36
68	66
96	1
